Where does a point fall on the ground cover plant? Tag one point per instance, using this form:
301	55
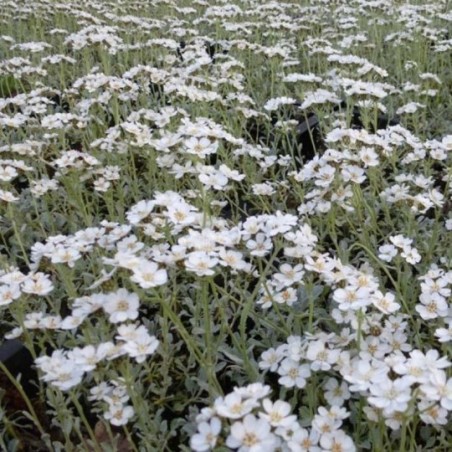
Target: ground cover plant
225	225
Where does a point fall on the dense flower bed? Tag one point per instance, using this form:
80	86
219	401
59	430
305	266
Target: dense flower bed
226	225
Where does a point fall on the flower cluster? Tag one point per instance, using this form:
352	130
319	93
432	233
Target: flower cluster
258	190
248	420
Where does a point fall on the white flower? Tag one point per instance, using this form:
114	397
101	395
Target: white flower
212	178
231	174
200	146
419	366
304	441
14	333
121	305
252	435
147	274
439	388
337	441
411	107
293	374
289	275
385	303
387	252
261	246
391	395
140	211
141	347
119	414
201	263
234	406
364	373
432	306
233	259
287	296
353	173
38	284
9	293
181	213
254	391
432	413
270	359
335	394
400	241
207	435
59	370
322	358
444	334
264	189
274	104
277	413
352	297
411	255
85	357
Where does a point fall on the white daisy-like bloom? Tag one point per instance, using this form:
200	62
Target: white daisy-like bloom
364	373
140	211
65	255
207	436
293	374
202	147
148	274
201	263
295	77
420	366
391	395
277	413
385	302
432	413
439	388
274	104
353	173
352	297
181	213
9	293
264	189
14	333
260	246
233	259
400	241
304	440
270	359
253	391
321	357
444	334
336	394
231	174
234	406
320	96
411	255
86	357
432	306
324	422
212	178
252	434
287	296
387	252
289	275
410	108
337	441
119	414
121	306
38	284
60	370
141	347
